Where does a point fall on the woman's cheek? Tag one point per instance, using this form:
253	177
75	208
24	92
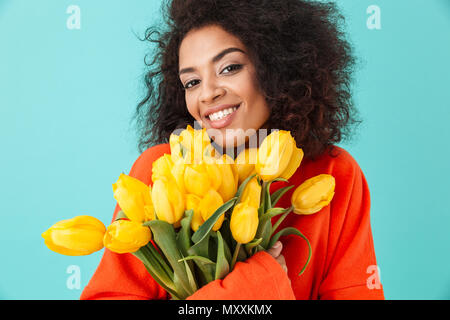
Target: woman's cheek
193	111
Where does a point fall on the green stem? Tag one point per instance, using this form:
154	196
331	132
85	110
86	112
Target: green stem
280	220
263	195
309	254
235	254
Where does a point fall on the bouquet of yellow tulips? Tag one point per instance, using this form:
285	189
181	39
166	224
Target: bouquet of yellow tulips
203	213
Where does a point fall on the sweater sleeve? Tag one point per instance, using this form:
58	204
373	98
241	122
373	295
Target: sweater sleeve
123	276
260	277
351	269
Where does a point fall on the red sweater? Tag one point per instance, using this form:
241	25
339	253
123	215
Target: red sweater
343	264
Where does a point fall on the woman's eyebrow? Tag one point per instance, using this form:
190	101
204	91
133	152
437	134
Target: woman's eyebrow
214	59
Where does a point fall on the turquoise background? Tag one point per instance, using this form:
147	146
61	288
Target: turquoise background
67	96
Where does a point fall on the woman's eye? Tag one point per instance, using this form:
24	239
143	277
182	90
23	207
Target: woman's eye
232	67
190	82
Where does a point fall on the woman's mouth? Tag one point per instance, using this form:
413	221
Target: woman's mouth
222	118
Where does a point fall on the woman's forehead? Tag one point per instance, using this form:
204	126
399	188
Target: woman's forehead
206	43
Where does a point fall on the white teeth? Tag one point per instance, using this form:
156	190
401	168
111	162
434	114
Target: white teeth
221	114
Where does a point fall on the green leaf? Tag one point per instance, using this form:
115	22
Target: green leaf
208	224
278	194
184	235
242	187
162	262
198	258
259	248
228	240
212	249
280	220
164	236
278	179
289	231
242	255
261	211
190	274
251	245
264	230
261	208
273	212
268	198
157	273
266	190
181	291
120	215
184	239
222	266
227	251
201	249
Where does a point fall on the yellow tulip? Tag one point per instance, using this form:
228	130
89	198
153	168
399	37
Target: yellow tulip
176	152
126	236
277	156
191	144
244	222
193	202
209	151
188	143
177	171
230	177
134	198
162	167
78	236
201	142
187	136
313	194
209	204
199	178
294	163
245	163
252	191
168	201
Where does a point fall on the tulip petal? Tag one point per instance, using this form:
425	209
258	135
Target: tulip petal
294	163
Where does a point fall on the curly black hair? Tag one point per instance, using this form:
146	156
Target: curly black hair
303	59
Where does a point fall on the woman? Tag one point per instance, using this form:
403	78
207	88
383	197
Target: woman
236	67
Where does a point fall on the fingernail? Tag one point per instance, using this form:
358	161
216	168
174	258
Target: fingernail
277	244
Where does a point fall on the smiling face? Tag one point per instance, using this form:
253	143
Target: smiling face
221	89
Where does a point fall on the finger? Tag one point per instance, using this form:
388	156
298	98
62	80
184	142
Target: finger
276	249
282	261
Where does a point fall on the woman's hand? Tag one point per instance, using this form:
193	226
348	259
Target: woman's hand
275	252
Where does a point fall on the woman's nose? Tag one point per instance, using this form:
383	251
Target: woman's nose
210	91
